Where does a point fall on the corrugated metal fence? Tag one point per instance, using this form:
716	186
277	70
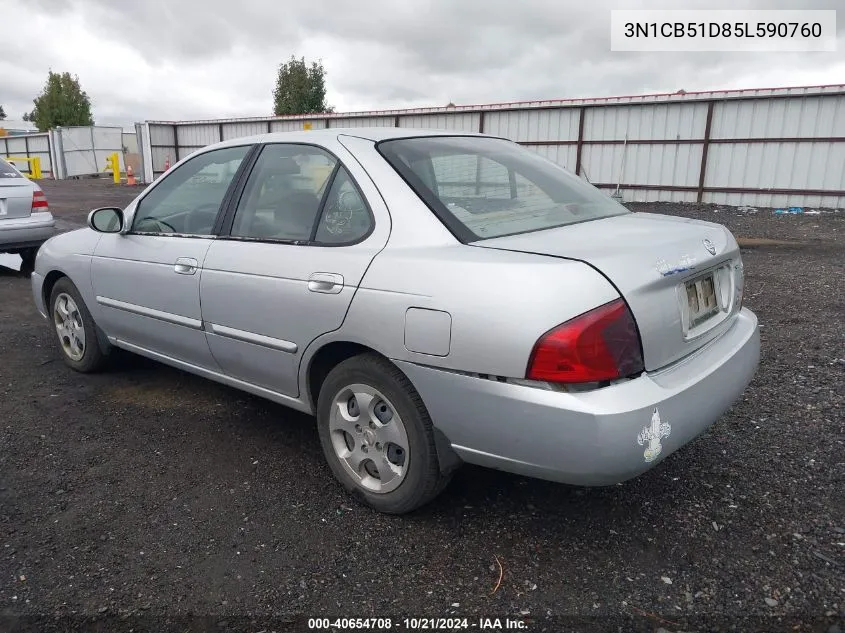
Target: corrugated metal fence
768	147
28	146
67	152
82	151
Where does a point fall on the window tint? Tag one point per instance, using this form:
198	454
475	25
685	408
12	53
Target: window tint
346	217
282	197
486	187
8	171
189	198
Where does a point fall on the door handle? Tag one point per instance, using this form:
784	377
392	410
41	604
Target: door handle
185	266
329	283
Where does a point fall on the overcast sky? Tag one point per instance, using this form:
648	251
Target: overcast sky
192	59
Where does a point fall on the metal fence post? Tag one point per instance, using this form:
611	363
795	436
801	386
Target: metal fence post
94	149
176	143
61	154
704	147
579	144
50	156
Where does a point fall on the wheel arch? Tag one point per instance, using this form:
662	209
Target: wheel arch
323	359
47	285
327	356
50	281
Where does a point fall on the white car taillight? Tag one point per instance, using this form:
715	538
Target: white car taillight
39	201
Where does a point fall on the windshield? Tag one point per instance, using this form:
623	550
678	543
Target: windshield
483	187
8	171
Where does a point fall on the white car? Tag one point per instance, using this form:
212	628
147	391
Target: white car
25	222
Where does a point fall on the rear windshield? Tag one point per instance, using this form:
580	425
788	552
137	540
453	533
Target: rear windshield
486	187
7	171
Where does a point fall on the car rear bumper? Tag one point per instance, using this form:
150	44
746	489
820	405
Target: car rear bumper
593	438
26	232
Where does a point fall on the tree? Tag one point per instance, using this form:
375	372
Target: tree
2	113
300	88
61	102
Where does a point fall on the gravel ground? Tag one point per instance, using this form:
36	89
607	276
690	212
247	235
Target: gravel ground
152	500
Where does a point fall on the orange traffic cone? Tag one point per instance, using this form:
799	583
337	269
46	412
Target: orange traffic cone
130	175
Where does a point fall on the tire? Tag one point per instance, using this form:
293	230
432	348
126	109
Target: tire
28	258
70	317
392	397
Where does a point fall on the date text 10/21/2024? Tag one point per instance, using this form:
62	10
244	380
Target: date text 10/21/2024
418	624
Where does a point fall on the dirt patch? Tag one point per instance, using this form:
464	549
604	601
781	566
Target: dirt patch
822	230
163	397
755	242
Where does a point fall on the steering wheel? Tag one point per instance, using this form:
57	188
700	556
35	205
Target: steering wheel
158	225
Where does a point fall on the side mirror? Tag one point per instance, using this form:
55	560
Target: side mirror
106	220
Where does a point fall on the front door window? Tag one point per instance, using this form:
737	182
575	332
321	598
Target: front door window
188	200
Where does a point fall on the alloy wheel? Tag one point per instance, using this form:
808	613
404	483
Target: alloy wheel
369	438
69	326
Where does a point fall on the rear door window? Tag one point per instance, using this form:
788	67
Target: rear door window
301	194
281	200
346	218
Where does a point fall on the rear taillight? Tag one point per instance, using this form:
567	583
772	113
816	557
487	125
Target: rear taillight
39	200
602	344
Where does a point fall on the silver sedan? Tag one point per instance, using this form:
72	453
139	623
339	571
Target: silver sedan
25	222
432	298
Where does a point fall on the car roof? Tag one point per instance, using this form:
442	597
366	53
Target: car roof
321	136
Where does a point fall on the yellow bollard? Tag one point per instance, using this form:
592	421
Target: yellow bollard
113	163
34	171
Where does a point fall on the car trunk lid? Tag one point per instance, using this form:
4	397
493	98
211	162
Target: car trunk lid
681	294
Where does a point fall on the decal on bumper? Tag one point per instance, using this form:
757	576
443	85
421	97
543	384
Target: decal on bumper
652	434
